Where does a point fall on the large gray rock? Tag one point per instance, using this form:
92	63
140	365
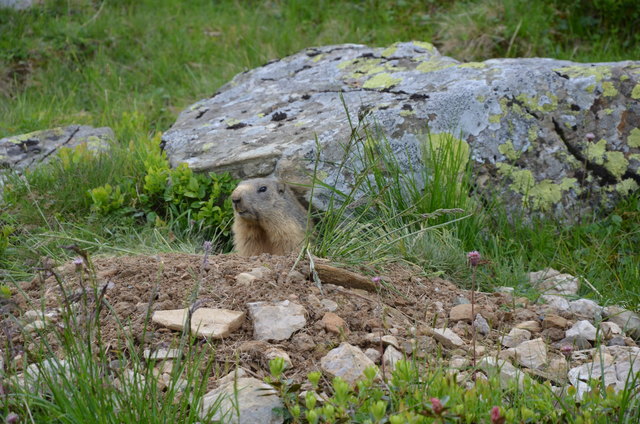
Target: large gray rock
554	136
27	150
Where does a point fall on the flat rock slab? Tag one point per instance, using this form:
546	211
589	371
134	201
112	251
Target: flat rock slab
244	401
205	322
27	150
276	321
555	137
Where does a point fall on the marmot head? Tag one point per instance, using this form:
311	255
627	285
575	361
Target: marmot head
255	197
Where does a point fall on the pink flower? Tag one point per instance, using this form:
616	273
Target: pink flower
590	136
496	418
474	258
376	279
436	405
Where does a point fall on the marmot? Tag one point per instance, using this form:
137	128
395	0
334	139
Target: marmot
267	218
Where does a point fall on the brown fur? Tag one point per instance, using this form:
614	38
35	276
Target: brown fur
267	221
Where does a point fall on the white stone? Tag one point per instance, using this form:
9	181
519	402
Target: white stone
481	325
34	326
162	354
205	322
245	278
390	357
515	337
275	352
553	301
555	283
347	362
244	401
446	337
627	320
610	329
373	354
539	276
586	309
389	340
505	371
532	354
329	305
583	329
276	321
458	362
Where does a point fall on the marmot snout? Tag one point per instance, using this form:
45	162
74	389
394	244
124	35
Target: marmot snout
267	218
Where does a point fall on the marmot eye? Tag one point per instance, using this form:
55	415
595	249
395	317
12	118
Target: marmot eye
262	189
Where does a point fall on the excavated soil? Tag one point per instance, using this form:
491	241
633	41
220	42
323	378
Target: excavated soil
134	286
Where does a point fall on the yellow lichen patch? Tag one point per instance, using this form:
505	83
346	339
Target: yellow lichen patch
590	88
424	45
616	163
533	102
432	65
538	196
317	57
624	77
206	146
577	71
494	119
595	151
626	186
608	111
389	51
473	65
608	89
635	93
481	99
509	151
532	133
382	80
633	140
547	193
407	113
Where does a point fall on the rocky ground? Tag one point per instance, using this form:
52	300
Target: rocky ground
254	309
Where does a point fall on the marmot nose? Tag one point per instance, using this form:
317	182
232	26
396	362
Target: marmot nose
236	200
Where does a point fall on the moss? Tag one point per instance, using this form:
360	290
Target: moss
579	71
608	89
633	140
635	93
382	81
433	65
473	65
509	151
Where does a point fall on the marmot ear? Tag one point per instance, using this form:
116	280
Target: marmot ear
281	186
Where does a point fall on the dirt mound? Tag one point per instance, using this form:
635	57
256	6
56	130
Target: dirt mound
138	285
